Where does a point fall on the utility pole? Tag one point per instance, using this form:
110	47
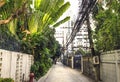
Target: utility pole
96	68
72	57
90	36
63	48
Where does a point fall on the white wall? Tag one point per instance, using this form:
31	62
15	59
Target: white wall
110	66
14	65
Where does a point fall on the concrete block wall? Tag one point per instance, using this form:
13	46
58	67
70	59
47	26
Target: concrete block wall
110	66
15	65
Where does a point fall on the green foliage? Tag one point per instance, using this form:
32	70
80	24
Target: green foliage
81	51
33	23
32	32
43	47
7	41
41	67
6	80
107	33
62	21
12	26
60	11
47	12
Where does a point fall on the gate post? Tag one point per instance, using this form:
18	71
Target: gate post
117	67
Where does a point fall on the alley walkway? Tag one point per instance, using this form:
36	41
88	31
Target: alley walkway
61	73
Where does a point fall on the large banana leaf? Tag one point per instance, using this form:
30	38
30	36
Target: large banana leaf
55	16
37	3
52	10
12	26
57	4
33	24
61	22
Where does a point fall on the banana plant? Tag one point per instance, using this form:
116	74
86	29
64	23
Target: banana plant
48	12
61	22
9	11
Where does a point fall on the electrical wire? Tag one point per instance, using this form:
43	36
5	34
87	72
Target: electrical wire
85	8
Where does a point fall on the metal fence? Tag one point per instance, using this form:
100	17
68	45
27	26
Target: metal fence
87	66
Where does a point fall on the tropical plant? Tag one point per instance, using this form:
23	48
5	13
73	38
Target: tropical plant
47	12
45	48
29	23
6	80
108	23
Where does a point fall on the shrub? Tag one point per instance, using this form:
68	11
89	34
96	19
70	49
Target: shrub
6	80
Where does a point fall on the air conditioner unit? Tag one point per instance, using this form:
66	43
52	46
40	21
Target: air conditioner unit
95	60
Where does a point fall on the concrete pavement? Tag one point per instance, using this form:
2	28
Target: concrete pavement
61	73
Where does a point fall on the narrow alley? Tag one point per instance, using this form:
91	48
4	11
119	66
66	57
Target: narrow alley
61	73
